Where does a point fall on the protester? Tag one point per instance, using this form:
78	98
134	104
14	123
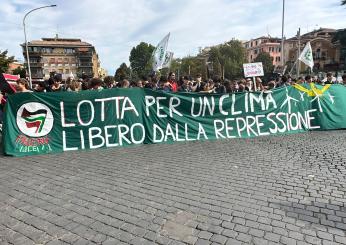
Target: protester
40	87
172	81
308	79
329	79
125	83
74	86
164	85
22	86
56	86
109	82
344	79
197	85
96	84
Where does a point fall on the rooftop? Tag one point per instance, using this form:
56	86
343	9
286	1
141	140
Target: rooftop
58	42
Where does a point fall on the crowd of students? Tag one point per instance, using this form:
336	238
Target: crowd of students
173	84
168	83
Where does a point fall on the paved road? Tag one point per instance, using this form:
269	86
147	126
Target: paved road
267	190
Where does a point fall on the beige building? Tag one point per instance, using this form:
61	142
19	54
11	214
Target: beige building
264	44
326	54
62	55
14	65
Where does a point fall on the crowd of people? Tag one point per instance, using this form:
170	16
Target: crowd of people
173	84
168	83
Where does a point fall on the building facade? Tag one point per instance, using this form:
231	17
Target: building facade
14	65
326	54
263	44
66	56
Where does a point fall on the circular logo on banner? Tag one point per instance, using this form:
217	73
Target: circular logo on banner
35	119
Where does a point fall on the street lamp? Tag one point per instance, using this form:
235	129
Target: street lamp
26	43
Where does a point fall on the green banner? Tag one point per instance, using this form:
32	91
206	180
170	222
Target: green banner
37	123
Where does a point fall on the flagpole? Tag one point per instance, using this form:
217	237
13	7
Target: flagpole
298	70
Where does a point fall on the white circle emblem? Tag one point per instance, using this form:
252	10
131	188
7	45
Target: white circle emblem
35	119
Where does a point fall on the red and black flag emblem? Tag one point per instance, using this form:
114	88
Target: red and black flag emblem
34	119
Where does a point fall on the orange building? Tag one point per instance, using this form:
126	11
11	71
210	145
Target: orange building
264	44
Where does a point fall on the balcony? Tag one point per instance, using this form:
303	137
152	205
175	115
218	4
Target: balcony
84	54
85	64
32	53
35	64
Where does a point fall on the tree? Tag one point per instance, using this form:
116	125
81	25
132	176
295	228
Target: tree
343	2
267	63
5	61
123	72
228	59
140	59
19	71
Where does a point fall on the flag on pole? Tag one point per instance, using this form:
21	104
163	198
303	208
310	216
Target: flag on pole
159	53
168	59
306	56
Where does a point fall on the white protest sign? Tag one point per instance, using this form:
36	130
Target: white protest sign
253	69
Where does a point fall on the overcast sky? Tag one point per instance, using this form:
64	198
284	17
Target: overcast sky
115	26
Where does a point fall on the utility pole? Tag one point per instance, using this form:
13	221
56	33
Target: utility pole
298	63
282	33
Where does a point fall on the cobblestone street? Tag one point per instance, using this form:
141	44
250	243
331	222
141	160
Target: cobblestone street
267	190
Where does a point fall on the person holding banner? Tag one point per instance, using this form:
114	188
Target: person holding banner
172	81
23	86
343	80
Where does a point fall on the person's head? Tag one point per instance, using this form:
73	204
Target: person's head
95	84
284	79
329	76
186	80
145	80
171	76
308	79
199	78
57	79
139	84
40	87
125	83
344	79
75	85
247	82
271	84
22	84
109	81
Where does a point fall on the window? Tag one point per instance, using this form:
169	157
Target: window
47	50
52	60
318	53
69	50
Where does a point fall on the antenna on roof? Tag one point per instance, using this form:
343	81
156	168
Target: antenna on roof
56	34
268	31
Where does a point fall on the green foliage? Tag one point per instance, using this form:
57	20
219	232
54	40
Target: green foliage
343	2
5	61
267	62
20	71
340	36
123	72
228	59
140	59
